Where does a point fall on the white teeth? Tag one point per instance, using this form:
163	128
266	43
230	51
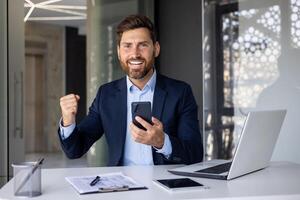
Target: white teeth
135	62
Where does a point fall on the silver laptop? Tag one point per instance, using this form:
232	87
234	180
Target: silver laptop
254	151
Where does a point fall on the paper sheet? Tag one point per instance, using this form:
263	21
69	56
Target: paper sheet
111	180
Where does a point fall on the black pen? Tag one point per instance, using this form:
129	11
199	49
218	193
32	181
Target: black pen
96	180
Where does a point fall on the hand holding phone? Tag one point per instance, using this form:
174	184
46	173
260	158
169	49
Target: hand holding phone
143	110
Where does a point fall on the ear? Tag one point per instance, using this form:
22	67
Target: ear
156	48
118	50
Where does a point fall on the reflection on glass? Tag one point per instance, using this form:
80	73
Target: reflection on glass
271	19
102	63
246	51
248	56
295	23
57	34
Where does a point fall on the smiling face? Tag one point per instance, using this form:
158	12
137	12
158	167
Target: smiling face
137	53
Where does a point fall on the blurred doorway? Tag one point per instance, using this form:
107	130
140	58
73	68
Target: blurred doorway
34	106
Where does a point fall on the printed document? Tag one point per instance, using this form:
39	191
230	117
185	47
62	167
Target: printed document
111	182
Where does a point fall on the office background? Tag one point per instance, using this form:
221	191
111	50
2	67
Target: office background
237	55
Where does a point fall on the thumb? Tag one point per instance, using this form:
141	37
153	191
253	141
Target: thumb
77	97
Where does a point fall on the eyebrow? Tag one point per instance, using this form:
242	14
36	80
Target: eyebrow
142	42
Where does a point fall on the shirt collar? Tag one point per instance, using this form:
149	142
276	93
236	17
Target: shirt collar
151	83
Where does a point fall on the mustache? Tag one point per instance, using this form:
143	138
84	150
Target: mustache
137	57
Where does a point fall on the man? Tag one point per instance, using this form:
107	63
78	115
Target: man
174	136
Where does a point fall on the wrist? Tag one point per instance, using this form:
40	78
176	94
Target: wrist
67	121
160	142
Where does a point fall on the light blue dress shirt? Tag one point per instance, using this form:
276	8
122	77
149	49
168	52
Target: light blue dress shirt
134	153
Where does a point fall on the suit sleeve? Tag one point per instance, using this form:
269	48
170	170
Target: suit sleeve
187	147
86	133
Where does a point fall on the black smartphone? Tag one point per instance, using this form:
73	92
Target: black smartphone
143	110
178	184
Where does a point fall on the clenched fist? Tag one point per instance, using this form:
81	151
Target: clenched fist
69	106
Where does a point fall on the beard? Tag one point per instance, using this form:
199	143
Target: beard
137	73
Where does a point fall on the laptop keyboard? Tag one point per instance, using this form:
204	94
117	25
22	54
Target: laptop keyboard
218	169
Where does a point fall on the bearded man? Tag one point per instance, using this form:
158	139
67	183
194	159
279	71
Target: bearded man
173	136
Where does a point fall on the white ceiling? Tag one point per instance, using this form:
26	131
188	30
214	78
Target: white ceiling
73	12
62	12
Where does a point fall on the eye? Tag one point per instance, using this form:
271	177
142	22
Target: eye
126	46
144	45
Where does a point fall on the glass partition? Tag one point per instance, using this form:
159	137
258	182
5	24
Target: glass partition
3	93
251	49
102	61
72	44
39	35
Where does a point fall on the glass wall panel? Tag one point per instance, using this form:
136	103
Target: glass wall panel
102	61
251	53
3	93
72	44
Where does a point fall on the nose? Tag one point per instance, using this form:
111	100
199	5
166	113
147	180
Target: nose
136	51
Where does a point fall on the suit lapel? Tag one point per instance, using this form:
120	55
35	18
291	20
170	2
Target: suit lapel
121	112
159	98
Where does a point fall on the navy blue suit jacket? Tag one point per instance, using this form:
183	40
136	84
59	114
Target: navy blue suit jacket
173	104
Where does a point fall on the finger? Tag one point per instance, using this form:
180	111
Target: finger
68	97
67	103
143	122
73	100
136	129
136	137
77	97
69	107
136	134
73	104
70	101
156	121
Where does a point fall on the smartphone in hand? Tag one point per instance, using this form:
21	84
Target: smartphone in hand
143	110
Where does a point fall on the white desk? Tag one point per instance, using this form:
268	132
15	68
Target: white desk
279	181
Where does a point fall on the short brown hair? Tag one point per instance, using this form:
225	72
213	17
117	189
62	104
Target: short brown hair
133	22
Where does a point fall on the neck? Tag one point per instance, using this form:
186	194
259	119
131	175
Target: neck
140	83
